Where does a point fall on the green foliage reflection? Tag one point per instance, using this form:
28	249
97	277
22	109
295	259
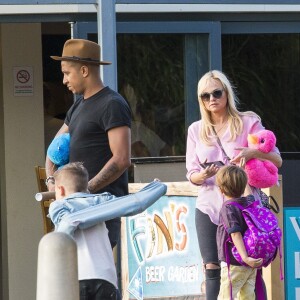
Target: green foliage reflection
266	71
150	77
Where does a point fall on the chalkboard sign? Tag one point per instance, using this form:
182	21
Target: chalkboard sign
159	253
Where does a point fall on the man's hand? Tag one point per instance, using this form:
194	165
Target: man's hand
51	186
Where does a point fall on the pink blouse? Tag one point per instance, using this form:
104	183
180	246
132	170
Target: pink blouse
210	199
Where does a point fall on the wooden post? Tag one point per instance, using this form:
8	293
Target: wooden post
271	274
57	276
124	261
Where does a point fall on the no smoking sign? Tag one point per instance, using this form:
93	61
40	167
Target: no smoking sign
23	81
23	76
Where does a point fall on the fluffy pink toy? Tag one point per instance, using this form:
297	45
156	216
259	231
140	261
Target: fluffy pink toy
261	174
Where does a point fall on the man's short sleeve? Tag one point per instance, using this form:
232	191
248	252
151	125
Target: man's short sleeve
117	114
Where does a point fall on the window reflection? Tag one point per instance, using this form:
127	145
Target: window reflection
151	78
266	71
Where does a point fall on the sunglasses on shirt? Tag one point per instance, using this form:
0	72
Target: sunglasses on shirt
217	94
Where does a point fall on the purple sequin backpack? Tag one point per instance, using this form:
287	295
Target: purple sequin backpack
262	239
263	236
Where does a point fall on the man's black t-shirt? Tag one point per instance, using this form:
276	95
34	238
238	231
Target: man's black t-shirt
89	121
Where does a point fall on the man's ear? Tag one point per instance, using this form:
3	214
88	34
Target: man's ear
61	191
84	71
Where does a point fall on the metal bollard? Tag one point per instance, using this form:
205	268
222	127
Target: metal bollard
57	274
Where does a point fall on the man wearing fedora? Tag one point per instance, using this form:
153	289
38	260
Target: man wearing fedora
99	124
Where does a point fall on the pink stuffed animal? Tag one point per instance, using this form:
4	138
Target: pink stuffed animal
261	174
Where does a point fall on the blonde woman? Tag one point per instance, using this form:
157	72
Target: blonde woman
220	137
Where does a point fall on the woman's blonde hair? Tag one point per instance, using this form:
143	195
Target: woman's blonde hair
232	181
234	116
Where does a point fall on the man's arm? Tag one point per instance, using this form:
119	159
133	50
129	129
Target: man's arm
49	165
120	146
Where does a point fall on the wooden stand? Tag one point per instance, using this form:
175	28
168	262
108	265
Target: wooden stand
183	188
271	274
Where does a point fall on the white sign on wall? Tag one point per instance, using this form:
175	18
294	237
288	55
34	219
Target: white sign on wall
23	81
292	252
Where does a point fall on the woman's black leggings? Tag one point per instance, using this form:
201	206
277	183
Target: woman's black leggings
207	232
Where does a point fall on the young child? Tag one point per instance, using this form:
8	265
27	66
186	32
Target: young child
232	181
96	269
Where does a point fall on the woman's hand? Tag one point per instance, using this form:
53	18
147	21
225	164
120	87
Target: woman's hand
245	153
210	171
199	178
249	153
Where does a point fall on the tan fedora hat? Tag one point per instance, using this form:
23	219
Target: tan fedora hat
81	51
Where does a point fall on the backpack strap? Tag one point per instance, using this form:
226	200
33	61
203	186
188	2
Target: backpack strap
221	146
259	288
274	207
280	259
228	262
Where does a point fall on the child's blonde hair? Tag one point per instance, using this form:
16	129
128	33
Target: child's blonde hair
74	176
232	181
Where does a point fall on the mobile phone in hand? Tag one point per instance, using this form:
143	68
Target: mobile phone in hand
218	163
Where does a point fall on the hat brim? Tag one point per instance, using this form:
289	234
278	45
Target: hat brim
81	60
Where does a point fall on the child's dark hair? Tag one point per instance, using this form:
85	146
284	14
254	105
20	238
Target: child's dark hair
232	181
74	175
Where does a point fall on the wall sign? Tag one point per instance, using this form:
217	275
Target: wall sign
161	251
292	253
23	81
